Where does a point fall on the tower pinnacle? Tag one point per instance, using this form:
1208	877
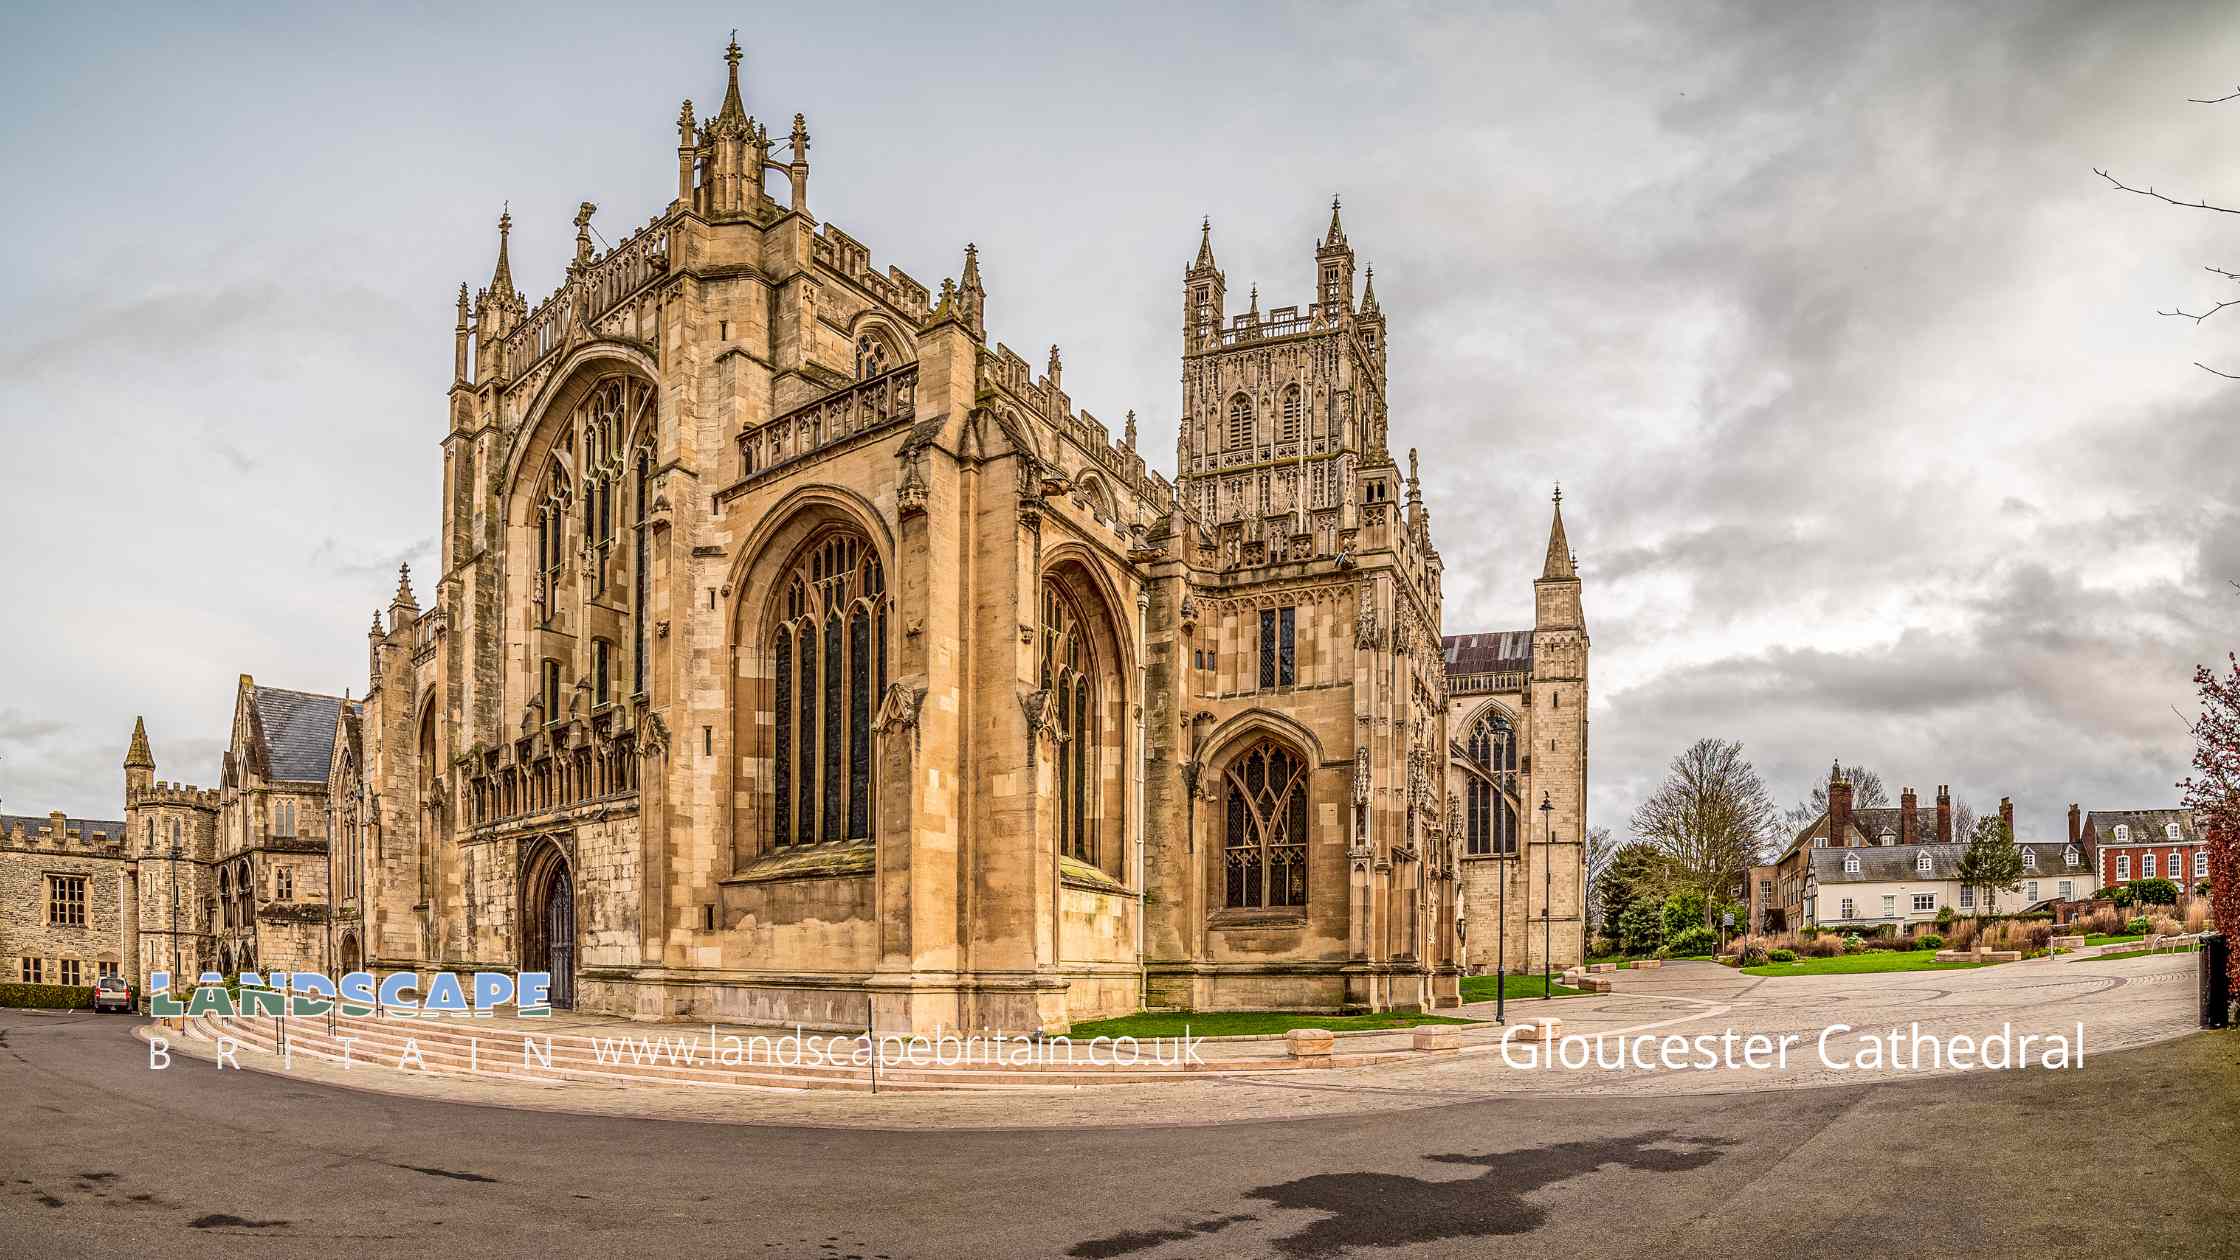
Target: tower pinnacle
501	280
1559	566
732	110
138	757
1337	233
1205	245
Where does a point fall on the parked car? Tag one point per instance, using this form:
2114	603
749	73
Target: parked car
112	993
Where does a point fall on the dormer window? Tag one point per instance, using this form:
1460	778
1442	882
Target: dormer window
1850	863
2171	831
2069	855
1889	837
1921	863
2123	833
2029	860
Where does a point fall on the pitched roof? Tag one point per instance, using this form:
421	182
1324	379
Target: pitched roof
298	731
1494	652
89	828
2148	826
1896	863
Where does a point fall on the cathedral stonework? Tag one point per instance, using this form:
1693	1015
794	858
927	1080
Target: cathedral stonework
798	656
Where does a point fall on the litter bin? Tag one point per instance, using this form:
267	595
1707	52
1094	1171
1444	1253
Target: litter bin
2216	983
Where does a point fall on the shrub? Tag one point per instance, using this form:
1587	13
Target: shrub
1882	945
1640	929
1945	916
2197	915
2120	894
2139	925
47	997
1928	941
1853	943
2201	889
1697	939
2164	925
2154	892
1754	955
1781	955
1963	935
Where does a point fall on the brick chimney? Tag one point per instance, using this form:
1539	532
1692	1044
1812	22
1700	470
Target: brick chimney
1839	807
2076	823
2006	814
1909	818
1944	814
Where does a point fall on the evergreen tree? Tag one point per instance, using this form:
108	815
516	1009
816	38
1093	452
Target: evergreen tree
1992	862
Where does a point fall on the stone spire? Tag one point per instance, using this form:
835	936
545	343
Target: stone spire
972	299
138	757
733	110
1128	435
404	588
501	280
1336	236
1205	246
1369	293
1559	566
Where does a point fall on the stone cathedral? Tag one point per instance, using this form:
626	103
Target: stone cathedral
799	656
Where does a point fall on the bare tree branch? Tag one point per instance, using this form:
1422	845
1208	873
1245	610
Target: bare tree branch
2203	315
2229	275
2218	101
2150	192
2213	372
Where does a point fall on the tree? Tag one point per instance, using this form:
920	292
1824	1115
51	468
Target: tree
1963	820
1638	874
1992	862
1710	818
1867	792
2198	203
2212	792
1602	849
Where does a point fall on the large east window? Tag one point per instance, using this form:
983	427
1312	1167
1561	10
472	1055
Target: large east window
1490	818
829	658
1265	842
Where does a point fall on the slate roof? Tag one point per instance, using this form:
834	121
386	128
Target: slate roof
299	732
1896	863
2148	826
87	827
1494	652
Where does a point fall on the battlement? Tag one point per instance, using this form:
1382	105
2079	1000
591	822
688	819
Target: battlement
1003	369
57	834
182	794
607	279
851	258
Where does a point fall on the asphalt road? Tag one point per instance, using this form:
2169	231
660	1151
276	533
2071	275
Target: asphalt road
2137	1154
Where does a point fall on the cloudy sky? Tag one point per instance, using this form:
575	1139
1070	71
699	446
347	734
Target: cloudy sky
1873	445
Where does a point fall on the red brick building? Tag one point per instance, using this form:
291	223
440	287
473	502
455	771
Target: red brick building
2143	844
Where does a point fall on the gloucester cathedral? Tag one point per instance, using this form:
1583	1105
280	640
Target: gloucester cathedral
798	655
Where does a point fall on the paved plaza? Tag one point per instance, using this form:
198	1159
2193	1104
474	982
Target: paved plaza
2120	1004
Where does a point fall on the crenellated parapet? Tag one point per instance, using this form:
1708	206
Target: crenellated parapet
184	795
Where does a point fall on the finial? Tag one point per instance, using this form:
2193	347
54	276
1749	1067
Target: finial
1129	434
1205	245
971	280
404	585
1412	466
800	136
501	278
732	111
1337	234
1559	494
731	54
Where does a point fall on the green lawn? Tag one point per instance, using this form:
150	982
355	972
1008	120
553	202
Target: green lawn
2188	948
2102	938
1484	988
1862	964
1245	1023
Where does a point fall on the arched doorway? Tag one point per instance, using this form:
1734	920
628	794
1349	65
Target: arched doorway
350	959
548	919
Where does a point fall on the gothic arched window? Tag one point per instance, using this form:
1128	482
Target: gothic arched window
1490	817
1068	674
1291	414
829	656
552	537
1265	845
872	357
1240	422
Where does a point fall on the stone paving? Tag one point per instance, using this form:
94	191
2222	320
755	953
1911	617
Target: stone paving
2121	1004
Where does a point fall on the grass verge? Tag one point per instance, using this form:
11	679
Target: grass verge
1862	964
1485	988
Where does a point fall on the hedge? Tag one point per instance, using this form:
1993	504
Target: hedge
47	997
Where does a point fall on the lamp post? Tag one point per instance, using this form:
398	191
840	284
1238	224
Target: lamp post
1547	899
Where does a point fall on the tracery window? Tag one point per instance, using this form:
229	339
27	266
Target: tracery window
1068	682
1490	819
1240	422
871	357
829	654
1291	413
552	537
1265	849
